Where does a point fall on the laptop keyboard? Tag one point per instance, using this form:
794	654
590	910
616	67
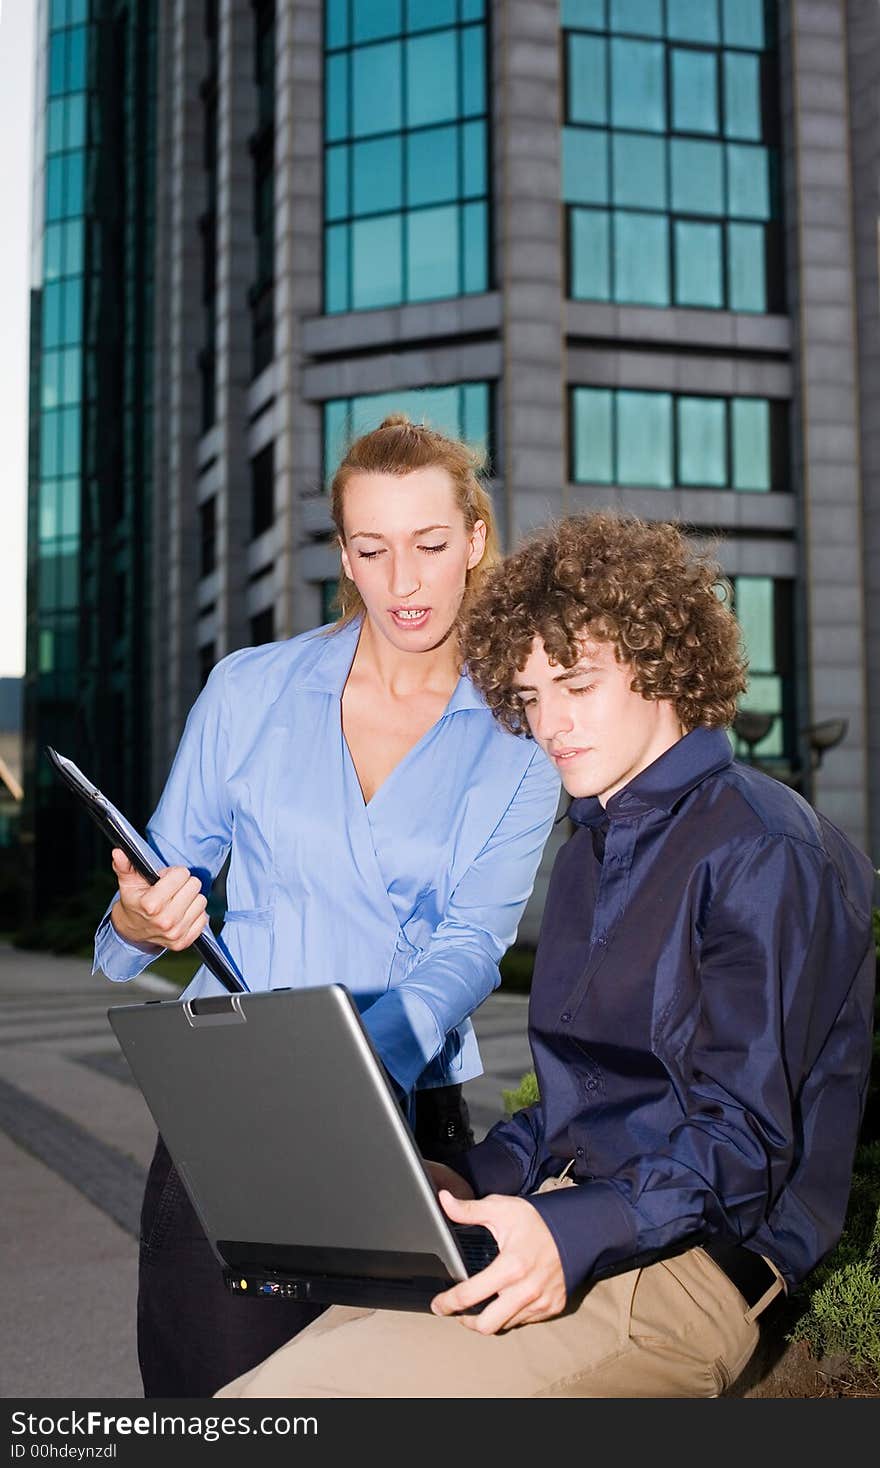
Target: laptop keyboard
477	1245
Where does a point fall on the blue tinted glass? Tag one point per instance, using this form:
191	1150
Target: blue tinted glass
692	20
336	121
590	255
71	379
754	612
644	438
748	182
375	19
376	104
53	260
743	22
746	268
590	14
473	70
76	121
48	504
74	238
76	59
641	17
584	166
699	274
473	9
431	78
639	170
49	425
742	95
336	268
55	188
50	395
57	14
336	22
432	248
77	11
697	177
69	518
750	430
694	91
587	89
764	695
74	202
70	441
68	579
638	88
432	166
476	248
52	315
593	442
475	413
336	434
55	126
71	313
702	441
376	175
376	270
441	406
473	146
58	63
641	259
424	15
336	204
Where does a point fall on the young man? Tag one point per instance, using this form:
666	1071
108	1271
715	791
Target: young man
700	1015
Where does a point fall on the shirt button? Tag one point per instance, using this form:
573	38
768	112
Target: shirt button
591	1085
566	1018
602	940
579	1152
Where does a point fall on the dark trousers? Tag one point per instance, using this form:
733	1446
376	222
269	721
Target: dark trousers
193	1335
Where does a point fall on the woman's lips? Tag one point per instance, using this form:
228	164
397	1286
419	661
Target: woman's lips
410	618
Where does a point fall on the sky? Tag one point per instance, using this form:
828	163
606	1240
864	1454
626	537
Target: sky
16	127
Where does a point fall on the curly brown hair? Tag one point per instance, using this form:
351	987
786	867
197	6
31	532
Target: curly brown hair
644	587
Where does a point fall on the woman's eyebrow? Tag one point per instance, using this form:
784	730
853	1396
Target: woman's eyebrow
376	535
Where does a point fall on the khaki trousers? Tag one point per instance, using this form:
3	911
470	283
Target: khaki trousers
676	1328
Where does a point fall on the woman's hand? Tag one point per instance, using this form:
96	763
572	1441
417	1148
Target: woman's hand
446	1177
170	913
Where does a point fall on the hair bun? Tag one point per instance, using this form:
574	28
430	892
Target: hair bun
396	420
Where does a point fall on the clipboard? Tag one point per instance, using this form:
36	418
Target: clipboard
143	858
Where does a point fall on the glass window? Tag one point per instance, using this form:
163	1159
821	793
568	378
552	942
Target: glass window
697	177
74	241
74	200
373	19
473	151
58	63
49	425
71	322
474	422
76	121
692	20
638	88
77	11
590	248
376	91
473	70
694	91
69	508
473	9
70	441
743	23
336	23
432	166
643	17
587	90
476	248
432	253
336	434
55	118
57	13
587	13
639	170
750	431
53	242
376	264
593	440
336	119
742	96
702	441
55	175
52	299
262	490
336	205
71	375
748	181
76	59
747	274
699	270
377	175
431	78
336	266
644	438
584	165
50	395
424	15
641	259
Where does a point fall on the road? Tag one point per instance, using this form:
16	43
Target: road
75	1142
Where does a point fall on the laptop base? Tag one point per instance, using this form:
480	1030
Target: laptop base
369	1294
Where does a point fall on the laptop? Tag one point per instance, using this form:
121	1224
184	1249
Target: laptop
294	1150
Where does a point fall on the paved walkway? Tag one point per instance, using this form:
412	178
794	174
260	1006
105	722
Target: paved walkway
75	1142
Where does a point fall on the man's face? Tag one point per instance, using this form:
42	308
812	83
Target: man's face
598	732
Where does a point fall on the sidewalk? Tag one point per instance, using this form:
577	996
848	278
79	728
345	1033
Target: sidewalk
75	1142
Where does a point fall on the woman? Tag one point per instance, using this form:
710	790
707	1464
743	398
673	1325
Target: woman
384	833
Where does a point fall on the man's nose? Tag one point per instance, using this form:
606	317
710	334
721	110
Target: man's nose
552	719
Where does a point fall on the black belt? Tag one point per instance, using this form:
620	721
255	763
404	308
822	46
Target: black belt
750	1273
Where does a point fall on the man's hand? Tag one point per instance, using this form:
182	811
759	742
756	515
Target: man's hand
170	913
526	1277
446	1177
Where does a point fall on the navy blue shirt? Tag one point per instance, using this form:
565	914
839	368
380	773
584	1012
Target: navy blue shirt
700	1021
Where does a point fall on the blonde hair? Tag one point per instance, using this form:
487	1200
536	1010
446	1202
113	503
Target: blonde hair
399	446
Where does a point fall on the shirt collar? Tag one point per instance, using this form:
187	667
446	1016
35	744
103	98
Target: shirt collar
334	656
664	783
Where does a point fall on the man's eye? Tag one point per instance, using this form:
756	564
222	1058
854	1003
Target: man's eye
527	703
581	687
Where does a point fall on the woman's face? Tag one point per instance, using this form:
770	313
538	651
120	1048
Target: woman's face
408	551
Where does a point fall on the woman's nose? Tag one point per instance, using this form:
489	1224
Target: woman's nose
404	575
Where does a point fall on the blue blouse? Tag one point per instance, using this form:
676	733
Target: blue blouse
409	899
